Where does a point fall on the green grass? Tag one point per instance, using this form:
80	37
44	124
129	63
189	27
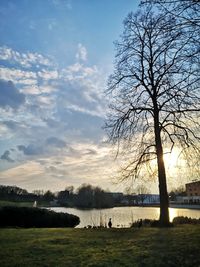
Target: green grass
4	203
178	247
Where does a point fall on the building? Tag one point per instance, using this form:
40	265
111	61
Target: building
193	193
141	199
148	199
193	189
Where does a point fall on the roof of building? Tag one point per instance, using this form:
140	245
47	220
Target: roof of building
194	182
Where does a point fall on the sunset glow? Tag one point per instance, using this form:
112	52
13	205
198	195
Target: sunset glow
172	159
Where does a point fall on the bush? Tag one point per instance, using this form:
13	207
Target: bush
149	223
185	220
35	217
144	222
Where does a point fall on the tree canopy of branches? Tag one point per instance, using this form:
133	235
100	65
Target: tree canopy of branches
89	196
186	11
154	93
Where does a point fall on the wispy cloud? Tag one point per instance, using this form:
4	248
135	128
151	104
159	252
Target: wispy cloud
78	71
81	53
62	4
26	60
48	74
18	75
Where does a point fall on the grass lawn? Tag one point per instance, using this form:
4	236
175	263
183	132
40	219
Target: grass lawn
4	203
15	203
178	247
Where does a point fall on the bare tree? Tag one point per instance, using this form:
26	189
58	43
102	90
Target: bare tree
187	11
154	94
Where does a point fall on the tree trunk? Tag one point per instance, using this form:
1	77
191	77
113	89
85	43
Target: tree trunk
164	199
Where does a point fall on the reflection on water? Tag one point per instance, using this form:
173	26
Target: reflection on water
123	216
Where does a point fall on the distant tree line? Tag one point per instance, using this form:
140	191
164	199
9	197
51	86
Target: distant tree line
86	196
14	193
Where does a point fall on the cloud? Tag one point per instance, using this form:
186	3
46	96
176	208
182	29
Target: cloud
6	156
52	123
56	142
80	89
38	89
81	53
52	24
10	96
28	175
26	60
32	90
84	162
30	150
10	124
76	87
62	104
64	4
18	76
78	72
4	131
90	151
43	147
48	75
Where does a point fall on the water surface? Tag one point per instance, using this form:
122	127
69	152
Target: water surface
123	216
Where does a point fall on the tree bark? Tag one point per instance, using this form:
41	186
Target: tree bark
164	199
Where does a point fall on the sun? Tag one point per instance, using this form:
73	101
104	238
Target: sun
172	158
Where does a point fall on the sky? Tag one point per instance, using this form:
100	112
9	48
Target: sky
55	59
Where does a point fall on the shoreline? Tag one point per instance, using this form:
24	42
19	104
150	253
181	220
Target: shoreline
176	206
185	206
152	205
171	205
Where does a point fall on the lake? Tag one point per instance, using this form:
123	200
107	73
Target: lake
123	216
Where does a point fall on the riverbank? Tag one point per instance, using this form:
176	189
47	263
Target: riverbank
185	206
49	205
176	246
